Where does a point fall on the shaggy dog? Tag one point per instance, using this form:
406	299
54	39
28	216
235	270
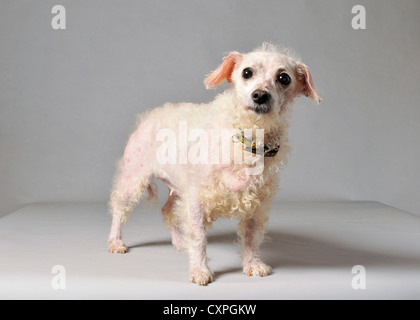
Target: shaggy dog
218	159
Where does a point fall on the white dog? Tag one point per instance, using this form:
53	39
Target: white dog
172	143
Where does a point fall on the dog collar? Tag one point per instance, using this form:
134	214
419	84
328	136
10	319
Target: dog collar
251	146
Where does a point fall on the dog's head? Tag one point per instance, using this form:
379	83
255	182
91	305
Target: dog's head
264	80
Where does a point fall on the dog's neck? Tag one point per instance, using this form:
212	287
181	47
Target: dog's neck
241	118
269	149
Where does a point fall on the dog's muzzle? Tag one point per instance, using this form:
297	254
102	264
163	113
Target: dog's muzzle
261	100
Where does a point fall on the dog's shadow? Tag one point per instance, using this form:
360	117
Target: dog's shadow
283	250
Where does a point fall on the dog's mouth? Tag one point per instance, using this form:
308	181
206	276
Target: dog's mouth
261	108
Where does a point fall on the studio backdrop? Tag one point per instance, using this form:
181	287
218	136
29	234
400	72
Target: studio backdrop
71	86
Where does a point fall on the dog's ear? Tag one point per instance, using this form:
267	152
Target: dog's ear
224	71
306	84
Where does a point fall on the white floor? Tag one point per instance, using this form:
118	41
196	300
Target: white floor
312	251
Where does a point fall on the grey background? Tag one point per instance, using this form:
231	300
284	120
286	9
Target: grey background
68	98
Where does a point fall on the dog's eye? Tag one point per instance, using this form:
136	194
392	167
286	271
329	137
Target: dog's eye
284	79
247	73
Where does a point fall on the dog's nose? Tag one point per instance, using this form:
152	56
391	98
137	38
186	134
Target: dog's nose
260	97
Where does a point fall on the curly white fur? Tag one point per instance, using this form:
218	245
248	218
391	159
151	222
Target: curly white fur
202	192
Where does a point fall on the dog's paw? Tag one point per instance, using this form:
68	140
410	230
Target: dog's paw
117	246
257	269
201	276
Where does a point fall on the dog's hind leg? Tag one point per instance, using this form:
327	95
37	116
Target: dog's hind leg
129	186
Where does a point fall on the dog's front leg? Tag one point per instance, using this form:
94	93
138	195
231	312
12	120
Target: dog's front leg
197	243
251	234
